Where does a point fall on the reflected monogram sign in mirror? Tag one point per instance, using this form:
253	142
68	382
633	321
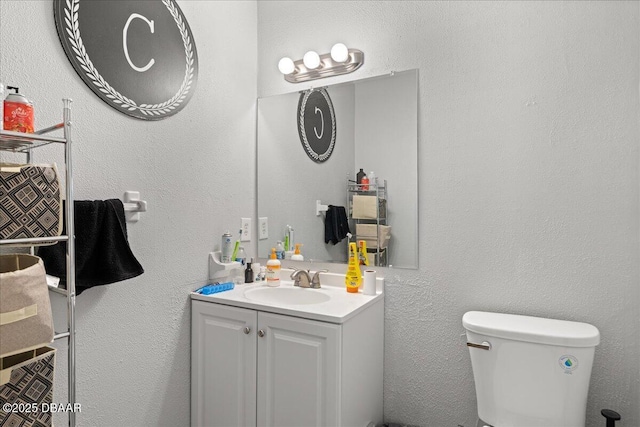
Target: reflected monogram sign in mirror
316	124
138	56
377	131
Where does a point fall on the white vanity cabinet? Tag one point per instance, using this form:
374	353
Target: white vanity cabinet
256	368
223	365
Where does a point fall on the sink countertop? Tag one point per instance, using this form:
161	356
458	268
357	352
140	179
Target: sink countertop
339	306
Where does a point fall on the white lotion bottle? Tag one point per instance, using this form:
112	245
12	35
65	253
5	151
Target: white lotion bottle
273	270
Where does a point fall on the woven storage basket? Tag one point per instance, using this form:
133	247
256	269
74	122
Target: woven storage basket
31	201
26	388
25	309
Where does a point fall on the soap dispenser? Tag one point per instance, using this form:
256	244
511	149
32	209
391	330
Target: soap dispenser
297	256
273	270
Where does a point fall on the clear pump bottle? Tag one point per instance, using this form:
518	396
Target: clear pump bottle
279	250
241	256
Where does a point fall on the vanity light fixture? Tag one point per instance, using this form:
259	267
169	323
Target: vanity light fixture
286	65
312	66
339	52
311	60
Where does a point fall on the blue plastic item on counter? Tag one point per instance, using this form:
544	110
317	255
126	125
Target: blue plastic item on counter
215	288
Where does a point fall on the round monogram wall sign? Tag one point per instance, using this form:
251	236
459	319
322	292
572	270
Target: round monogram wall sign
137	56
316	124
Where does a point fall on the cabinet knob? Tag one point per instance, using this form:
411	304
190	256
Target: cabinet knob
260	333
246	329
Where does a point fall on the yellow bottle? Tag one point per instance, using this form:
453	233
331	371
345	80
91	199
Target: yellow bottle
353	278
364	257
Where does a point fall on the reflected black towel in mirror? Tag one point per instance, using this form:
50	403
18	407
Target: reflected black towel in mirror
336	225
103	254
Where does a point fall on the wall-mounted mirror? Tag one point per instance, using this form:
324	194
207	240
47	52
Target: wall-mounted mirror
376	131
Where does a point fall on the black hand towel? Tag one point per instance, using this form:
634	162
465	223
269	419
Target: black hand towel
336	225
103	254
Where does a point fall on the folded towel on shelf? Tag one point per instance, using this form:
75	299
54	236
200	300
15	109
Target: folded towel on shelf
103	255
379	238
336	225
368	207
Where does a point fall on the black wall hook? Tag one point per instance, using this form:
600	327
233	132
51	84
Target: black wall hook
611	416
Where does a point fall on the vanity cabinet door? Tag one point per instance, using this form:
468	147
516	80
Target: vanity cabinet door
223	365
298	372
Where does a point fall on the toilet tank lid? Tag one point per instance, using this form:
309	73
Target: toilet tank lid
532	329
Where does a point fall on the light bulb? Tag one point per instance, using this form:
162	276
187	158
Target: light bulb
286	65
311	60
339	52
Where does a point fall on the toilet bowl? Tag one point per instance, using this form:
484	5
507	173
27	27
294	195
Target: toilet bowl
530	371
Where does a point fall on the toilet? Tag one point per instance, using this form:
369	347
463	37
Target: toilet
530	371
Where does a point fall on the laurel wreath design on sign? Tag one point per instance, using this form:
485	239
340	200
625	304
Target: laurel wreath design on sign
315	156
73	30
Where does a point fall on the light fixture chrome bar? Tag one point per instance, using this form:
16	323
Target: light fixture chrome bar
327	68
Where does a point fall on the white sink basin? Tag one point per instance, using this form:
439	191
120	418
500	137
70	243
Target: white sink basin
331	303
286	295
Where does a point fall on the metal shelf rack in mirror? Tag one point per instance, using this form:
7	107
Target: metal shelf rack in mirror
369	223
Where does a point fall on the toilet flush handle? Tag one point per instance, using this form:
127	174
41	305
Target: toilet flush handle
484	346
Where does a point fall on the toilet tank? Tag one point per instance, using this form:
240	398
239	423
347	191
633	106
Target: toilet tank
530	371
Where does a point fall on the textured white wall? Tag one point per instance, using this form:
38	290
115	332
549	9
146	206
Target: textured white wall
196	170
528	154
528	186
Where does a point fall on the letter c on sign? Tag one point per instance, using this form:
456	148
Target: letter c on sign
124	42
316	111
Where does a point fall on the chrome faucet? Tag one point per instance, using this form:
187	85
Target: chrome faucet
315	282
303	279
